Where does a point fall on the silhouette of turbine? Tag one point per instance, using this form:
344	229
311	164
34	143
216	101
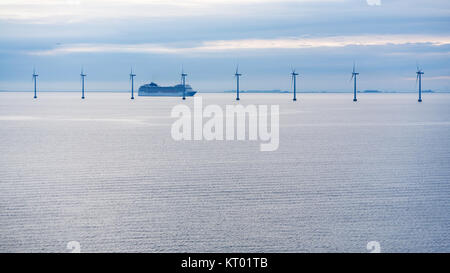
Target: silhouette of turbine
132	75
294	82
354	75
419	78
237	75
82	83
34	80
183	82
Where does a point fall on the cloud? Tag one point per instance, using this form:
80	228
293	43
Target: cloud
249	44
71	11
374	2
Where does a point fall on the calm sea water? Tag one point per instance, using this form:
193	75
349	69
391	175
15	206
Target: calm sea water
105	172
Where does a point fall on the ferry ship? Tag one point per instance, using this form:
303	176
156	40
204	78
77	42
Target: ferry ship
152	89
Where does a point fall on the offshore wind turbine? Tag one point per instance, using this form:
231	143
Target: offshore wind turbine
419	78
132	75
82	83
237	75
294	81
34	80
183	82
354	75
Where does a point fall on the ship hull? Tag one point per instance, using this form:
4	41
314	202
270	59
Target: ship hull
167	94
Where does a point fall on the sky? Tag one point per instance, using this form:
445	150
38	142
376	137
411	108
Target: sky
321	39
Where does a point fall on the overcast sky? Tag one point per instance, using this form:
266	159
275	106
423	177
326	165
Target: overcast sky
320	38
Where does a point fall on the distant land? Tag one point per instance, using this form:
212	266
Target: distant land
378	91
298	91
257	91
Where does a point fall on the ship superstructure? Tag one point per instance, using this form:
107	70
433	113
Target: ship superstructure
152	89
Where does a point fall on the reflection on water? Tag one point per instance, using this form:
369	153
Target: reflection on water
105	172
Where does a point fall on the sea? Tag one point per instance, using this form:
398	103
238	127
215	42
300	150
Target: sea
106	173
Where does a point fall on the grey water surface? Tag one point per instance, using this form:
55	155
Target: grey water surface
106	172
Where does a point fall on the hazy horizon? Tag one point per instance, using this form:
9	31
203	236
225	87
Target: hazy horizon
241	91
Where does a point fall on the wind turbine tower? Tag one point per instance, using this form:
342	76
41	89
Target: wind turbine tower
419	78
82	83
237	75
132	75
34	80
294	81
183	82
354	75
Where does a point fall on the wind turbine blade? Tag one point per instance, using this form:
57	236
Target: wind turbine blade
417	79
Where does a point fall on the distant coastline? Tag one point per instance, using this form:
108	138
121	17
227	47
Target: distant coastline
256	91
324	91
